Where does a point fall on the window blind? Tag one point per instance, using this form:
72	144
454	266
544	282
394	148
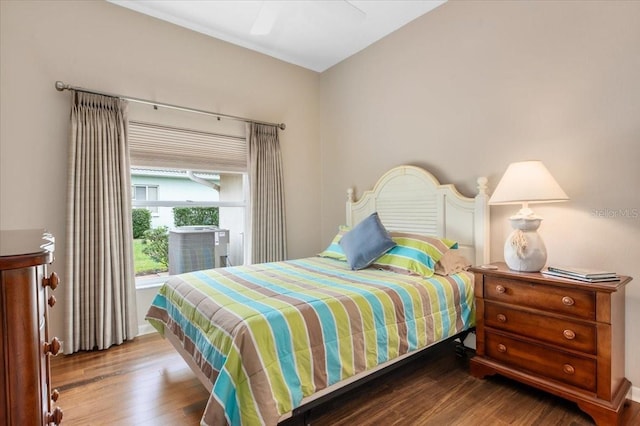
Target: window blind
154	145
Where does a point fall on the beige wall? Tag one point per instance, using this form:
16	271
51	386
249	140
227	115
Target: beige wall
98	45
473	86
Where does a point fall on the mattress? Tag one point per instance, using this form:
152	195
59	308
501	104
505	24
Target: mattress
269	335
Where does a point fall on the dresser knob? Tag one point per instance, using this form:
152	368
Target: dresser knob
55	417
502	318
502	348
52	348
55	395
51	301
52	281
568	301
500	289
568	369
569	334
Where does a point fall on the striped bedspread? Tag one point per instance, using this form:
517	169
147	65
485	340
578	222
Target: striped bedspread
269	335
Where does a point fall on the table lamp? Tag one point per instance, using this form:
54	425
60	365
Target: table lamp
525	183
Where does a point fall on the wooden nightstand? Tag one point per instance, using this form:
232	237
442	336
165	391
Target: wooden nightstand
558	335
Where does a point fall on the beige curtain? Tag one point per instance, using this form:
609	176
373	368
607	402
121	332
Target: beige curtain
100	282
268	235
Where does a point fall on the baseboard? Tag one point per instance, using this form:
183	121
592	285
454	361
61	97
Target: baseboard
145	329
635	393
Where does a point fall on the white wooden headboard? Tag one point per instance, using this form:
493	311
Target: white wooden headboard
410	199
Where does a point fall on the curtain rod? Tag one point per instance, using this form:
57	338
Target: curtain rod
60	86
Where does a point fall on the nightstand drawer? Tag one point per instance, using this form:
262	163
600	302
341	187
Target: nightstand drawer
568	301
562	332
541	360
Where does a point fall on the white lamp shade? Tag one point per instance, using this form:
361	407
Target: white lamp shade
527	182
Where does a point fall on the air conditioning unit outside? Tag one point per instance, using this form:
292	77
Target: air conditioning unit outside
193	248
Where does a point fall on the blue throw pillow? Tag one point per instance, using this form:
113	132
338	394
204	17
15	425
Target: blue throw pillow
367	241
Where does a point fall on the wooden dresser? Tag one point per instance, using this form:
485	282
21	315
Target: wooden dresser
558	335
27	397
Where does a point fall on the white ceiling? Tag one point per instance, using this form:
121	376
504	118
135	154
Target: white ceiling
312	34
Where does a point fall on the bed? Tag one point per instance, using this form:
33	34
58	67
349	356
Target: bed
268	340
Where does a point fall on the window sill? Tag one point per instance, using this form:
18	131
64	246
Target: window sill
151	281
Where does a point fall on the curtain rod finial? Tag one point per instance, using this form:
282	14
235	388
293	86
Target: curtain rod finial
60	86
282	126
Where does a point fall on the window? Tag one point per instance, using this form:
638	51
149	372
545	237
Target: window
174	168
144	193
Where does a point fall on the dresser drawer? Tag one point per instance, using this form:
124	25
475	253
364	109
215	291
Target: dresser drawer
568	301
541	360
562	332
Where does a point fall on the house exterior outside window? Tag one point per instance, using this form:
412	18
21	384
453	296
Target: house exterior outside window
143	192
165	189
164	185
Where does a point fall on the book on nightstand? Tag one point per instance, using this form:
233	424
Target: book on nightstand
581	274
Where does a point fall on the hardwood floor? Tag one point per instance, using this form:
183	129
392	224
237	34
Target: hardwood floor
146	382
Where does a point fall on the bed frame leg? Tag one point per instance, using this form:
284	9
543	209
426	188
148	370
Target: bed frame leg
306	418
461	349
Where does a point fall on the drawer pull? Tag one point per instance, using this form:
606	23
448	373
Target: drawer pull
568	369
51	301
55	417
52	281
502	348
569	334
500	289
502	318
55	395
568	301
52	348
